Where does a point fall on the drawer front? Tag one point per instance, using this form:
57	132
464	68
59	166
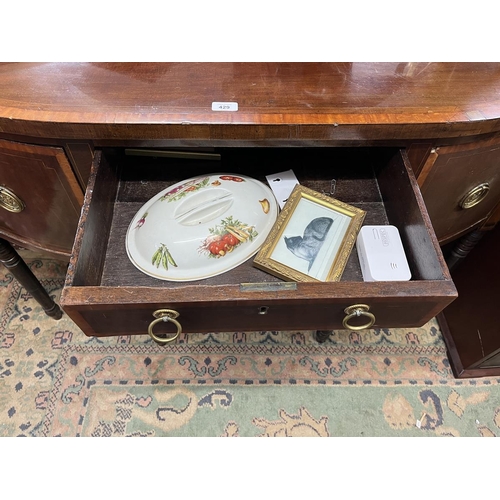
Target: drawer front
258	315
106	295
461	186
40	199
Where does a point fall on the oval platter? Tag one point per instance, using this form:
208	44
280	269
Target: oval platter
201	227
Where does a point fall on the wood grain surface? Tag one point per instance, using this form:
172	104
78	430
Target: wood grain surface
276	101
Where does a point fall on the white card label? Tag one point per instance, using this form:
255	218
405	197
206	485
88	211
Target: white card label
224	106
282	185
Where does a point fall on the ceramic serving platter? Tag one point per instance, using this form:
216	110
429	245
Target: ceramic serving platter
201	227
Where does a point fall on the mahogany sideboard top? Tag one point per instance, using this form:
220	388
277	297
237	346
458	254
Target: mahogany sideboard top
284	102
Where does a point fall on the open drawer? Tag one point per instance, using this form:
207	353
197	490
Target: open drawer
105	294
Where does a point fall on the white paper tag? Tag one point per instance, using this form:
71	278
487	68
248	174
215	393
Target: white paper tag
224	106
282	185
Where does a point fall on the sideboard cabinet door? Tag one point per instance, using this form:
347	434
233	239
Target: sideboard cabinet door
461	186
470	324
40	198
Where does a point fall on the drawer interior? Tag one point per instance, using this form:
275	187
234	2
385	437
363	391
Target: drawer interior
377	180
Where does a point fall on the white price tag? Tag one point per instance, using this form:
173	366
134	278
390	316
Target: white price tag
224	106
282	185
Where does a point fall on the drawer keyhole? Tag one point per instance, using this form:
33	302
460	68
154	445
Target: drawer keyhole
263	309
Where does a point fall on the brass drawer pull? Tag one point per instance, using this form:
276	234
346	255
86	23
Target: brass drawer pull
10	201
356	311
475	196
164	315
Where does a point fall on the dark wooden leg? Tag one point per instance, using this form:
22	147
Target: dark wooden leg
463	247
322	336
13	262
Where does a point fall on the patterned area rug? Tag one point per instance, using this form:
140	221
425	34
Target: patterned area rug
55	381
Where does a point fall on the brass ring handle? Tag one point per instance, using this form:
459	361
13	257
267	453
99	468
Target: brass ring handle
356	311
10	201
164	315
475	196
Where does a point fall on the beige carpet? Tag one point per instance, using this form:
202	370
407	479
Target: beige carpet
55	381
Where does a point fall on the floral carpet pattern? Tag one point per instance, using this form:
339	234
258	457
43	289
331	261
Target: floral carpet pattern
55	381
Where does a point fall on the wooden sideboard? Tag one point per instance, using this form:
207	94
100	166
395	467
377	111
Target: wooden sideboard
429	131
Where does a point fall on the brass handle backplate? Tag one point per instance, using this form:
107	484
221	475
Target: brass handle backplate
475	196
165	315
10	201
356	311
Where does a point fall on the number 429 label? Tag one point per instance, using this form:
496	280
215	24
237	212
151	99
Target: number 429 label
224	106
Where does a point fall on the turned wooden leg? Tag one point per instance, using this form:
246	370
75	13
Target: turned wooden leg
463	247
322	336
13	262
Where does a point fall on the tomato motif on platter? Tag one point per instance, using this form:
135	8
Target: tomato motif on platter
225	237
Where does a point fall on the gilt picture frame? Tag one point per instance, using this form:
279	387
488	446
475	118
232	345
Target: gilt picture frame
312	238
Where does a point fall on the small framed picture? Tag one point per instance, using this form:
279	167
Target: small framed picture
311	239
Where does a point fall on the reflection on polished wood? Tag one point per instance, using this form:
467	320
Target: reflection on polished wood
281	101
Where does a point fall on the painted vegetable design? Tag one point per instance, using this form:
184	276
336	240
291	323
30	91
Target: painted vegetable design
226	236
265	205
233	178
163	257
141	221
180	191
